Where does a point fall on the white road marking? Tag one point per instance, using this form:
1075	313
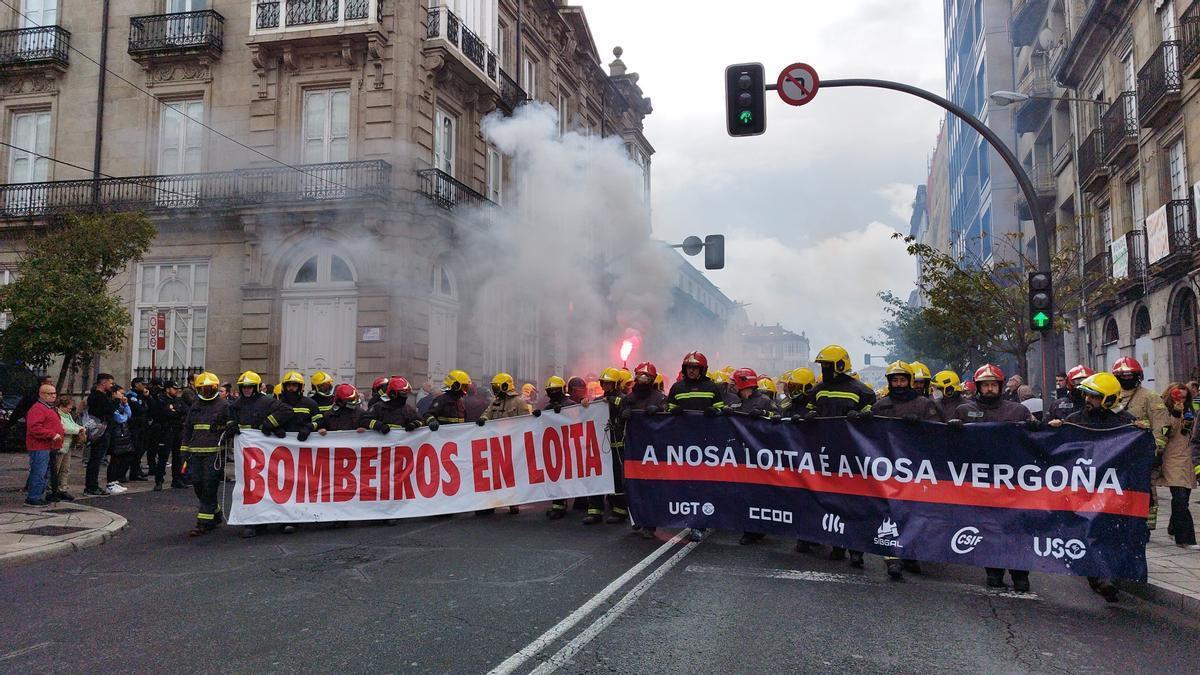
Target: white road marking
26	650
564	655
555	632
852	579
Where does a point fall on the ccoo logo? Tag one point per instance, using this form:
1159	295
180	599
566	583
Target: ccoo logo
1053	547
831	522
965	540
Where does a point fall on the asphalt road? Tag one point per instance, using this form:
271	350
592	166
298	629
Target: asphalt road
468	594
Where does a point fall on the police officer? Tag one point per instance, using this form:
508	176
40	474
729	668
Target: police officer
298	414
1071	401
949	386
322	391
447	407
612	382
1147	409
838	394
1101	395
393	411
203	428
753	399
989	406
644	398
166	419
905	403
506	402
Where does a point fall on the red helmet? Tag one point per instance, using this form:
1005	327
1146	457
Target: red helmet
398	385
1126	364
379	383
645	368
1078	373
989	373
745	378
345	392
695	359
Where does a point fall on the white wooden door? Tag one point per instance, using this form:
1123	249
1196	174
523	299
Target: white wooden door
1143	351
319	334
443	340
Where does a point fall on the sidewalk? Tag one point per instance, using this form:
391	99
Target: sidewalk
1174	578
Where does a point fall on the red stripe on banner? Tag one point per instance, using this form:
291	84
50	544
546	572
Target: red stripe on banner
944	492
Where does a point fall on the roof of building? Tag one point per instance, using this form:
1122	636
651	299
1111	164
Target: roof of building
775	332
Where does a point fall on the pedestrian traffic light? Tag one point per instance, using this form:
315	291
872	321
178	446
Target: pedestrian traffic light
745	99
714	252
1041	301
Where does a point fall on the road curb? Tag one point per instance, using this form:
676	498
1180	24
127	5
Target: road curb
1167	595
83	540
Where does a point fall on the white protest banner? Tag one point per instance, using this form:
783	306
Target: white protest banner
346	475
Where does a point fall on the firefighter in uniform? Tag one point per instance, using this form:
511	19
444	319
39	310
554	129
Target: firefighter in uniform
1101	394
1147	409
506	402
989	406
297	414
905	403
378	389
921	378
345	413
728	394
766	386
949	385
798	387
756	400
612	383
556	400
249	411
203	429
1065	406
644	398
838	394
393	411
448	407
696	392
322	391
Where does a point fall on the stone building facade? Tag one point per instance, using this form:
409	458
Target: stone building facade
307	163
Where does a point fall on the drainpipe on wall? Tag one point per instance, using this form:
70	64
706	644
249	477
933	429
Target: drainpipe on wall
100	104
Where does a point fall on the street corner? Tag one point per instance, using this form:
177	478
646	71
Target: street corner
28	534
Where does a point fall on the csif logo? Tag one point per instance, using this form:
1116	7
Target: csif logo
1054	547
832	522
965	540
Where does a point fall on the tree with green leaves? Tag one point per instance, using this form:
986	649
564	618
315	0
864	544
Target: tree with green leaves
911	334
61	304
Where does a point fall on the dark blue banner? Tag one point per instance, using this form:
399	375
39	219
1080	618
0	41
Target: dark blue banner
1066	501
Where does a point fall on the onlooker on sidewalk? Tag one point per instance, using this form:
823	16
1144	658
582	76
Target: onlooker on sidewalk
60	464
121	449
1175	470
43	436
100	406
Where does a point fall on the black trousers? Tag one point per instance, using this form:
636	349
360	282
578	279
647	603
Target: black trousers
1182	526
207	470
616	501
118	466
141	446
168	446
97	451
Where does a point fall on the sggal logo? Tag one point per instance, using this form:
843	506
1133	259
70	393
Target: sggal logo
888	529
832	522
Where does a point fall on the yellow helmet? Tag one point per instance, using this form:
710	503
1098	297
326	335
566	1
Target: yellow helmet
502	383
836	356
625	375
292	376
920	371
249	379
320	378
767	384
803	378
610	375
555	382
457	380
719	377
207	381
277	390
728	370
899	368
658	379
947	382
1104	385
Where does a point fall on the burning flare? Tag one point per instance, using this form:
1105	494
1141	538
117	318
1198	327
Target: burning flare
626	349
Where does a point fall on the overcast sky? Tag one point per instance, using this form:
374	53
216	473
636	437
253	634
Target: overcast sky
809	207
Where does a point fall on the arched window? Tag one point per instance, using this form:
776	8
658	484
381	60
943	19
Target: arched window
1184	316
322	269
1111	334
1141	322
442	283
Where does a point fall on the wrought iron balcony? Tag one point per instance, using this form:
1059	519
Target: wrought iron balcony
1159	85
211	191
312	13
1045	187
1135	243
178	34
1096	271
511	93
34	48
1037	84
1093	171
1181	237
445	28
447	192
1027	18
1189	39
1120	126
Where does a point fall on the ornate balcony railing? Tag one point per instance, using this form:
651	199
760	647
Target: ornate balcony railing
1135	242
1120	126
41	45
1091	157
211	191
447	192
1096	271
511	93
1159	84
267	13
1189	37
1181	226
162	34
444	24
180	375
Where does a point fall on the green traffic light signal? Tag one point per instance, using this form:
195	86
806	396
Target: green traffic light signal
1040	320
745	117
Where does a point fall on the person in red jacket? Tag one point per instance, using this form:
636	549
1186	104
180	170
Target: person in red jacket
43	436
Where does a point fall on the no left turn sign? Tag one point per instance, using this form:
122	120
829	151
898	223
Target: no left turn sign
798	84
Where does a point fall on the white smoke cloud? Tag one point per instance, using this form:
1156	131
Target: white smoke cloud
899	197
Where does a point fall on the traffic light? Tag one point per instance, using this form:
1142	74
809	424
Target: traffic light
745	99
714	252
1041	301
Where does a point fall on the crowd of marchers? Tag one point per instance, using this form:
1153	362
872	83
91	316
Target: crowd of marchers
189	428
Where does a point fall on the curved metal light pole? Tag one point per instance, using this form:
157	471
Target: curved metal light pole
1040	227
